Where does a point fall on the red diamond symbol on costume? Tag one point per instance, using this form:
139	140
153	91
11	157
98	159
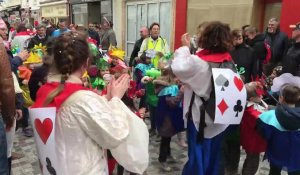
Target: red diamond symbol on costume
222	106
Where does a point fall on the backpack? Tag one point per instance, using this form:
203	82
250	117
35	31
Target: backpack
209	105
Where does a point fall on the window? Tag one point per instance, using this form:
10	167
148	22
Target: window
141	13
80	14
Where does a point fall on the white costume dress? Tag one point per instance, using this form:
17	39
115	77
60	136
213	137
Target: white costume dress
196	74
87	124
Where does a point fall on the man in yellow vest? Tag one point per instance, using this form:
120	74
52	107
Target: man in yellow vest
155	45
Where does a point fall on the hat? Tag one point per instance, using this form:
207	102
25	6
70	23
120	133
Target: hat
102	64
283	80
2	24
34	58
116	52
295	26
93	48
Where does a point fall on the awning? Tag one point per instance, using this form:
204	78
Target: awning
53	3
13	8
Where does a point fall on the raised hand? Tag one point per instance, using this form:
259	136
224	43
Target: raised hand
186	40
119	87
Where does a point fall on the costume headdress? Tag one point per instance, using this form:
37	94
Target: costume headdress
116	52
285	79
93	49
36	54
102	63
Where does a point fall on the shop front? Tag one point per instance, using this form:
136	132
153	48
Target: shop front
141	13
90	11
55	11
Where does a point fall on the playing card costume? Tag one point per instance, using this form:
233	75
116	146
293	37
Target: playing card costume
204	137
85	128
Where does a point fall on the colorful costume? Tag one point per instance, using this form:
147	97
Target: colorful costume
251	140
169	110
281	129
140	72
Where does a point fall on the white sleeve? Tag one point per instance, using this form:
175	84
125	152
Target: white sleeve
142	48
104	121
192	70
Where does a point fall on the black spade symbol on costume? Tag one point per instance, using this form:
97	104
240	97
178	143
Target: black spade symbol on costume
50	169
238	107
222	81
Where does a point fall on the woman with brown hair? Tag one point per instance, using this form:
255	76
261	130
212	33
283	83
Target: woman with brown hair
204	136
86	124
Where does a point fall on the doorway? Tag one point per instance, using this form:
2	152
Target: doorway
144	13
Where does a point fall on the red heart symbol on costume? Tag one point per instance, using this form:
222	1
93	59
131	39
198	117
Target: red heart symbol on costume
238	83
43	129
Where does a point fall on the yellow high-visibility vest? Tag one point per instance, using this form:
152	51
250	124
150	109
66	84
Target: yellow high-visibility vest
159	46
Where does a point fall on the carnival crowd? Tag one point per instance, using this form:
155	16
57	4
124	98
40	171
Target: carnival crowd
102	99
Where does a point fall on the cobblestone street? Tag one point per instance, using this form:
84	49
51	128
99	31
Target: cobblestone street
28	165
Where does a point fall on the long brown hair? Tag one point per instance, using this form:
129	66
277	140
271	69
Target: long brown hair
70	51
216	37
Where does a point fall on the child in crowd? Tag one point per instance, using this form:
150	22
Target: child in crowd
139	73
251	140
281	129
169	110
25	71
117	56
151	99
97	73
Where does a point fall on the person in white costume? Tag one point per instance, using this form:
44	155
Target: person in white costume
87	124
195	72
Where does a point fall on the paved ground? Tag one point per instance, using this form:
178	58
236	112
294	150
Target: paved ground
29	164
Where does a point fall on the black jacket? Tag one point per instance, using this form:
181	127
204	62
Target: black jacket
94	35
291	62
36	41
37	79
260	51
279	45
243	56
258	46
288	117
135	51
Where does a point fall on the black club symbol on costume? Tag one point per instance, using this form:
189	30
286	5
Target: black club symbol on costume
238	107
50	169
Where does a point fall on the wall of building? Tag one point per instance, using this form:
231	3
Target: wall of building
94	13
119	21
9	3
234	12
289	15
180	22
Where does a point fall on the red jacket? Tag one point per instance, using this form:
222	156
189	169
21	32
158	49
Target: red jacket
251	140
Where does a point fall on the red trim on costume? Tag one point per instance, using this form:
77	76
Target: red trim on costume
47	88
23	33
208	56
